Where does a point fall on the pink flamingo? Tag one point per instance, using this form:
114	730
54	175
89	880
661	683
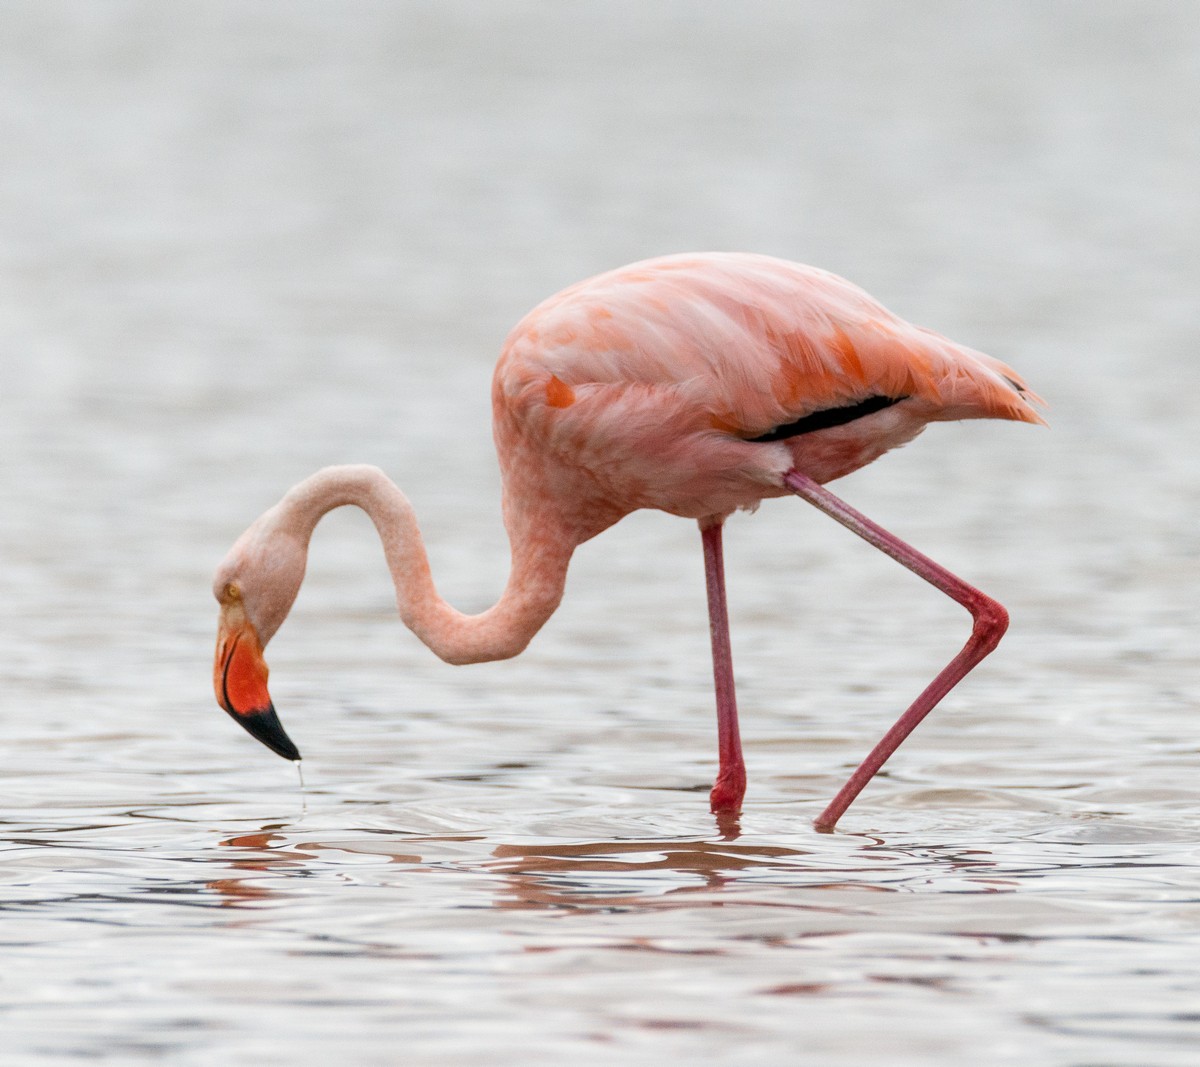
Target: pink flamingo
695	384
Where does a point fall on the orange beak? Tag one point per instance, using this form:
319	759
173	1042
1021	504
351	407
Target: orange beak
240	682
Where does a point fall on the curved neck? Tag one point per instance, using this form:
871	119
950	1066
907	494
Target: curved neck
540	555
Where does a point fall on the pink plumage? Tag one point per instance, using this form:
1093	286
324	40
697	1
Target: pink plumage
693	384
672	365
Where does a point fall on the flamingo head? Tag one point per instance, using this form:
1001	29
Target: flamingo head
255	587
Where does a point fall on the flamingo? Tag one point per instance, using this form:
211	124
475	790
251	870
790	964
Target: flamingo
696	384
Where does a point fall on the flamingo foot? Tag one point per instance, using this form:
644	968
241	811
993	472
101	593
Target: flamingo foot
727	793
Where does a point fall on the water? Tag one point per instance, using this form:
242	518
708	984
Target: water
240	242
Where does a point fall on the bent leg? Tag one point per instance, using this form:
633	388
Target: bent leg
990	622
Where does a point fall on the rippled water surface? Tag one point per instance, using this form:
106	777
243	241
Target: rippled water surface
239	242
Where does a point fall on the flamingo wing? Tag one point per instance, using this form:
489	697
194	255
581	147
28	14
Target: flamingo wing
758	342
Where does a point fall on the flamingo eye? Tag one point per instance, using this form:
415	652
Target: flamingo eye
232	592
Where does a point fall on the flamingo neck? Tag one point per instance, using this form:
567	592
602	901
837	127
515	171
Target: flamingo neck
540	556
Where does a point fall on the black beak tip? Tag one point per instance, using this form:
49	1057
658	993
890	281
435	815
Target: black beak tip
265	726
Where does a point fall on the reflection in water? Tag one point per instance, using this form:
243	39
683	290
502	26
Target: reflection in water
625	873
267	859
592	874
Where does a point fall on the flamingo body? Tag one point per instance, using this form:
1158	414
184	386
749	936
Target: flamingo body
692	384
643	387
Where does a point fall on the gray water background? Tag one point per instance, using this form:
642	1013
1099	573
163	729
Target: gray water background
242	241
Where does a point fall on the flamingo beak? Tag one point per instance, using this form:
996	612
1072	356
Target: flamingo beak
240	682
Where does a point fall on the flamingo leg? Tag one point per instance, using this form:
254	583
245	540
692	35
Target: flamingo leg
990	622
730	787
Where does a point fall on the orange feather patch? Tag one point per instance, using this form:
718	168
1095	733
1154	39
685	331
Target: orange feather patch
724	423
558	393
